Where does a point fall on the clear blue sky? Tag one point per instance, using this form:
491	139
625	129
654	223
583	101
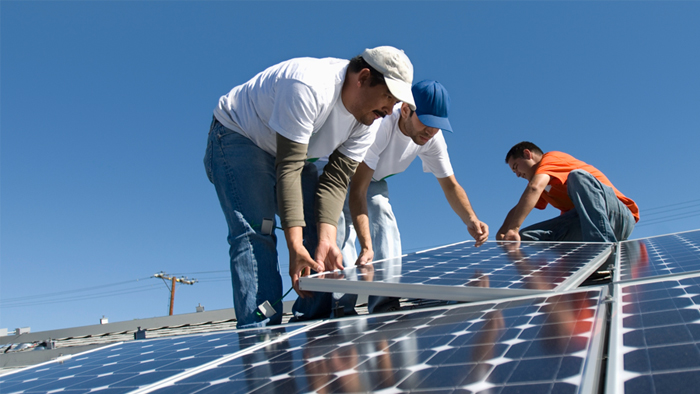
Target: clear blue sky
105	108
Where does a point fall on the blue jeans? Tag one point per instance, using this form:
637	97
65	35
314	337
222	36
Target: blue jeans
245	180
320	305
598	215
386	243
386	239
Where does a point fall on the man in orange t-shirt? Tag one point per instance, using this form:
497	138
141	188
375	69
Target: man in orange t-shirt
592	209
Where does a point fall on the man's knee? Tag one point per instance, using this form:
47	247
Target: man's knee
580	177
379	207
582	183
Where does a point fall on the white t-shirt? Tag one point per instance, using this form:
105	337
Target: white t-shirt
300	100
392	151
341	127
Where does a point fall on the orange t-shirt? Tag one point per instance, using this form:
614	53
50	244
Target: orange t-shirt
558	165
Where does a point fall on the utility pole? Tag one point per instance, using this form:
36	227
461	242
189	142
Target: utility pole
173	280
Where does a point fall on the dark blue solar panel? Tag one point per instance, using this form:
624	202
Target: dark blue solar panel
130	365
655	343
665	255
537	344
446	271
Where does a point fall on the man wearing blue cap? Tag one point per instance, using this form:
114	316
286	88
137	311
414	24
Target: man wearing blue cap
400	138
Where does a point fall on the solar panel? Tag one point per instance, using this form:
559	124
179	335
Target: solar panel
655	336
125	367
671	254
461	272
544	337
526	344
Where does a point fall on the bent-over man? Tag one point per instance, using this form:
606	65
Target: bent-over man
263	137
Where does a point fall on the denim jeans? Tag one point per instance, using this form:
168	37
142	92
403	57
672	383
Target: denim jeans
321	305
386	243
245	180
384	232
598	215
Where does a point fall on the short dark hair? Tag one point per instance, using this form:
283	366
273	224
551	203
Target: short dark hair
358	63
516	151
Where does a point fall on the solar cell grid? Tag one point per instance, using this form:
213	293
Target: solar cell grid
542	342
127	366
659	256
453	272
524	344
655	337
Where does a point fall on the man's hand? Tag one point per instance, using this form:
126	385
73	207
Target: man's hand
327	252
509	235
516	216
479	231
512	248
366	256
300	262
328	256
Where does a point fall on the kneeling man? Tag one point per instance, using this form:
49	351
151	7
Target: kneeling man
593	210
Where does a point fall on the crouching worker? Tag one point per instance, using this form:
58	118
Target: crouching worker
593	210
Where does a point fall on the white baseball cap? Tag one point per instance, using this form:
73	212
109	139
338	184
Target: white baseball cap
396	68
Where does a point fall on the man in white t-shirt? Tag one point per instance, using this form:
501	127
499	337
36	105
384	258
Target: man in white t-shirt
264	136
400	138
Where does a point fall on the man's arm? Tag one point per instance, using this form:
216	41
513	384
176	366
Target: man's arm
330	196
459	202
288	165
358	211
511	225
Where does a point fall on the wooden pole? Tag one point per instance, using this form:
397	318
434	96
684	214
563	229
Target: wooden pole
172	296
174	281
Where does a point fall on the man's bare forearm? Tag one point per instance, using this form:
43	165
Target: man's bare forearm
527	202
360	220
358	205
458	200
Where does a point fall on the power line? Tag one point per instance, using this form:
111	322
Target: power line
201	272
58	293
26	303
208	277
210	280
671	205
658	213
669	218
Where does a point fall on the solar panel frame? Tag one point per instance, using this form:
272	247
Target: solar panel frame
322	282
616	375
225	359
303	357
663	235
130	364
612	331
57	360
591	375
626	253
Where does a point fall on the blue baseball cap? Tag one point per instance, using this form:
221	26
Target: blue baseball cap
432	104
